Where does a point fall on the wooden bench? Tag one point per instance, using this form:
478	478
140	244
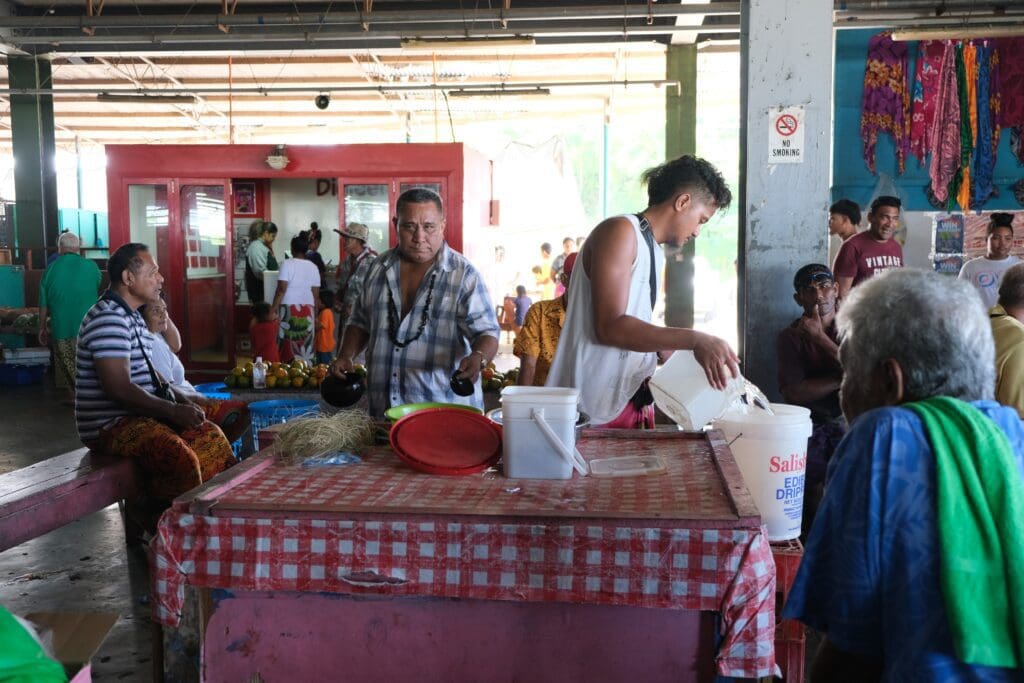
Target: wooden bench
39	498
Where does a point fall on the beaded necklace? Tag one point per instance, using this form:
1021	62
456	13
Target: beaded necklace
393	315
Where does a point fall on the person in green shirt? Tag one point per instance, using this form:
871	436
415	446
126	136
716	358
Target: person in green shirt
69	288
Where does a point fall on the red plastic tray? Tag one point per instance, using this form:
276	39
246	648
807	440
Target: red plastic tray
446	441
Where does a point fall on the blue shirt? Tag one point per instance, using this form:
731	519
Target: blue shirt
523	304
870	574
460	312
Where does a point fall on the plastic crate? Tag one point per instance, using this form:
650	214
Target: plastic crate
266	413
27	356
13	375
216	390
790	638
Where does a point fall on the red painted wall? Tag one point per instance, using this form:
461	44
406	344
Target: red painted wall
249	161
151	164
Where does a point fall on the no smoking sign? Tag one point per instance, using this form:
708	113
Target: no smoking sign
786	135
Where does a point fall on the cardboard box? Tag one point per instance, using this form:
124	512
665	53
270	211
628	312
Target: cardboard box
73	637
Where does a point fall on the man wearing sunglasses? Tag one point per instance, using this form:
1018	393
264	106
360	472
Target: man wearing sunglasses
809	373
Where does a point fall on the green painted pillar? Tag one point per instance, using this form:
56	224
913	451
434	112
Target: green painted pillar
35	172
680	139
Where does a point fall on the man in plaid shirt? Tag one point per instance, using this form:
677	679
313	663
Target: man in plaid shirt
424	313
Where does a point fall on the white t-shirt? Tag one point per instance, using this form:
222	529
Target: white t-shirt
606	376
301	276
986	274
167	363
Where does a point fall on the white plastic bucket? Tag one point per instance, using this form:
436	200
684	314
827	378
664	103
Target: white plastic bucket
539	432
771	451
680	388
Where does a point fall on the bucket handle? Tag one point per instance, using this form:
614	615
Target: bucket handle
573	457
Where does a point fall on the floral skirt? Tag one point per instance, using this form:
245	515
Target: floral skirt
173	462
296	332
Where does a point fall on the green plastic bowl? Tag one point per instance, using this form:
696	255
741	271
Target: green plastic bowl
398	412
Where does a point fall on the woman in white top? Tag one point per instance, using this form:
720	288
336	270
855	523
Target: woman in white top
986	272
166	342
231	416
298	290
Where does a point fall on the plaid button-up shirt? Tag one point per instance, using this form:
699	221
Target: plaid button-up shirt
460	312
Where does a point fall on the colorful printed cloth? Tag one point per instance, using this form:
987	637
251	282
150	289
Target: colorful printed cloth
64	351
1011	81
173	462
296	331
945	133
968	78
987	137
925	96
539	336
885	104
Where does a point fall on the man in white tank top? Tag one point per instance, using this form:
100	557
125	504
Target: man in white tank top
609	348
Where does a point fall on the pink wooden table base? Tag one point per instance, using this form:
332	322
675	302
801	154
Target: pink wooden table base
286	636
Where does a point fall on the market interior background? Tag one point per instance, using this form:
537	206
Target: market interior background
568	99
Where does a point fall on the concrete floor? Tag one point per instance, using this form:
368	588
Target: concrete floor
84	566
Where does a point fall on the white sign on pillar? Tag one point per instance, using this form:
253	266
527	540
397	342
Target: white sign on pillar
786	135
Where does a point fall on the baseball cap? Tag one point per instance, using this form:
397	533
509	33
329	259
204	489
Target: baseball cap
811	273
356	230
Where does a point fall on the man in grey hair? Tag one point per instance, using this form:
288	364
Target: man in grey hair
67	291
924	502
1007	318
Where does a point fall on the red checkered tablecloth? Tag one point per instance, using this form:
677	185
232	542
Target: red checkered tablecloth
656	562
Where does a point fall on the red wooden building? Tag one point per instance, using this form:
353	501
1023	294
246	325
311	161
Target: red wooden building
192	205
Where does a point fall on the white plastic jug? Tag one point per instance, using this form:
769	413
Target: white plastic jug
539	432
771	451
681	390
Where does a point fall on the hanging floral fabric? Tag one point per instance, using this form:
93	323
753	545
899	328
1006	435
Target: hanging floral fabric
1011	81
987	139
945	134
885	103
967	73
925	95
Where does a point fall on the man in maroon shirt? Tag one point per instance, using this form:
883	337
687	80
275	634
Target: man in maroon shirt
872	251
809	374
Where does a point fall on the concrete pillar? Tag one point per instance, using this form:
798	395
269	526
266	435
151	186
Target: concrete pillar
787	56
680	138
35	173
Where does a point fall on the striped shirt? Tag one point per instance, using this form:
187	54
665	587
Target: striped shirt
460	312
107	331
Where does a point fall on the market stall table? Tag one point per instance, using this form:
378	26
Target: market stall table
386	573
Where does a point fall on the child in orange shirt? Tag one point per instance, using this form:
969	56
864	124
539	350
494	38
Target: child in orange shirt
263	330
324	342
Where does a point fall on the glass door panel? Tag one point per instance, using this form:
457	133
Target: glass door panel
368	204
207	273
436	187
149	220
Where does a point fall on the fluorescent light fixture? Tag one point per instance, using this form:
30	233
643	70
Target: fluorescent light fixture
136	98
957	32
497	92
467	43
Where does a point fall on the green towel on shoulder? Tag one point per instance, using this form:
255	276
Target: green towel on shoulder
980	512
